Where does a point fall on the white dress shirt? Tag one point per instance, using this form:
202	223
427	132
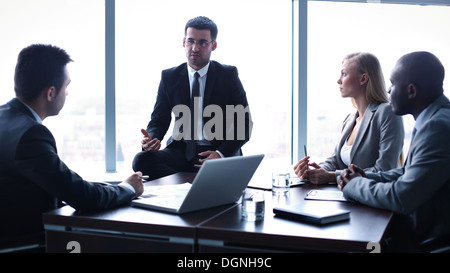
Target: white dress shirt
202	84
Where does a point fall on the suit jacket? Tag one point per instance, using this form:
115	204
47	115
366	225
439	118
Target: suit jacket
223	88
378	144
33	178
419	192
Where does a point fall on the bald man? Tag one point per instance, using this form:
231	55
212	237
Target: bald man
419	192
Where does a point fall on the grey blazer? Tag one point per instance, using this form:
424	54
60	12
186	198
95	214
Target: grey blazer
377	145
420	191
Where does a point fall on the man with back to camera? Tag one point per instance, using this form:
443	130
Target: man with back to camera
218	85
32	176
419	192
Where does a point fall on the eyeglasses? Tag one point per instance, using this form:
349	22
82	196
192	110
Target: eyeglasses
201	43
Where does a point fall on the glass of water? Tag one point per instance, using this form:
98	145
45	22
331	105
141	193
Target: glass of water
280	182
253	205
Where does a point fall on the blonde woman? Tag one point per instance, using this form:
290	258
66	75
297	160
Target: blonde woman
371	138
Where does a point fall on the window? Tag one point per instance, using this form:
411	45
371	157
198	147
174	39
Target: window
78	27
386	30
260	37
254	36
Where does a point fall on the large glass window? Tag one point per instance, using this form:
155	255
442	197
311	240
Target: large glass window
386	30
254	36
78	27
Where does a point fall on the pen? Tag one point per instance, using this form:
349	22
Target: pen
304	146
145	177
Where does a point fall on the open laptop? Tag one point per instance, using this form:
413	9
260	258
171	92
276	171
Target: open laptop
218	182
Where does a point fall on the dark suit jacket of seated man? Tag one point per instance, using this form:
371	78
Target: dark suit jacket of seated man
33	179
222	88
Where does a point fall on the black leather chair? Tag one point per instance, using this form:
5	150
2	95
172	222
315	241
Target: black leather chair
439	244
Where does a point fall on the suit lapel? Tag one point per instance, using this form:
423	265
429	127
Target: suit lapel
349	124
210	80
367	119
182	88
434	107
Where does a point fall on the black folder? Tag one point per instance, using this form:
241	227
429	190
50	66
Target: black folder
318	213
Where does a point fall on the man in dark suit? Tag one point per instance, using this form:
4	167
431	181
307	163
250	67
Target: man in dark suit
33	179
220	109
419	192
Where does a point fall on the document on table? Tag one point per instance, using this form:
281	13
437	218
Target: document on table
328	195
175	190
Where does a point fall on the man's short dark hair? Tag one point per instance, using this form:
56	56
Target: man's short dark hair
425	70
38	67
201	23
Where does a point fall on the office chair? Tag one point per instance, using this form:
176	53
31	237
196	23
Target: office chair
35	248
440	244
22	244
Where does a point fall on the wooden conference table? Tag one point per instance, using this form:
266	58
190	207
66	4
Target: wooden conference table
219	229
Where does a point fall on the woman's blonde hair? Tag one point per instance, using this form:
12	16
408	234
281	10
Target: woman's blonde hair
368	63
